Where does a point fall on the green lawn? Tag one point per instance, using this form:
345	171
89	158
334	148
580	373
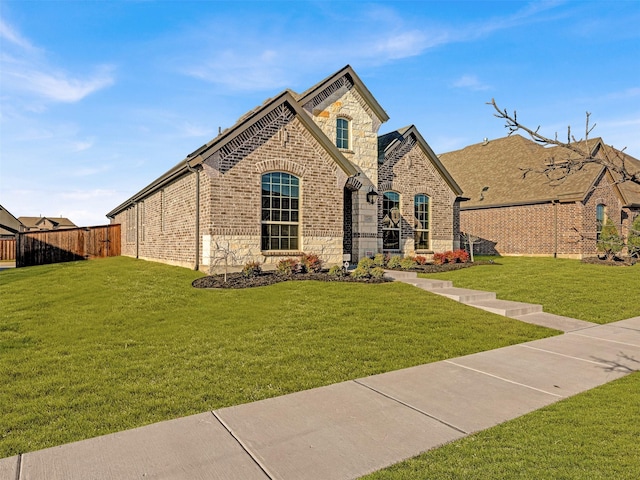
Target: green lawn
594	293
594	436
88	348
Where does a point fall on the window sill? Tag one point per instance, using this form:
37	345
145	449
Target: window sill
429	252
282	253
345	150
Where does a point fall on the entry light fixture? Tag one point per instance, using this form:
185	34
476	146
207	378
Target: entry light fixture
372	196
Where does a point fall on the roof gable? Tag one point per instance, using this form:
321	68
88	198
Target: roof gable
325	87
389	142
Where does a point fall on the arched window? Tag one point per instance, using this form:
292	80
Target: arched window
600	219
421	222
280	211
342	133
391	221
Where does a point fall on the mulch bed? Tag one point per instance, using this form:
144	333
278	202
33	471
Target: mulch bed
237	280
615	262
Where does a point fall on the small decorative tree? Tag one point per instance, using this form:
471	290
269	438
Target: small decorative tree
633	240
470	240
609	242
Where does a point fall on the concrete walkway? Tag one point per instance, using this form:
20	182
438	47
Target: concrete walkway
349	429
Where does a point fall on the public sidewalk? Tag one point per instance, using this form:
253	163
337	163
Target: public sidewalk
349	429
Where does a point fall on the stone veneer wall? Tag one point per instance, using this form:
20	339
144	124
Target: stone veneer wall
408	171
346	102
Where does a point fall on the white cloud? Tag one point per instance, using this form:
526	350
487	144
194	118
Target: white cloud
9	34
470	82
26	70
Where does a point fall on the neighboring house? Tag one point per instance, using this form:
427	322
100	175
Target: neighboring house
300	173
9	225
32	224
517	214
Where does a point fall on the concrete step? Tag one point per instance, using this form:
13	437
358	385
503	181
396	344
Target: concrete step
464	295
429	284
558	322
506	308
400	276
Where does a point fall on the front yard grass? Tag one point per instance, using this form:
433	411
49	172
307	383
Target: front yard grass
594	435
89	348
594	293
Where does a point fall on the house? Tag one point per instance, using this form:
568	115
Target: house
32	224
9	225
517	214
300	173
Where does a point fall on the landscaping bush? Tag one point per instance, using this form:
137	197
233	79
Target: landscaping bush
610	242
394	261
380	260
366	263
451	256
311	262
360	272
251	269
420	260
633	241
287	266
408	263
376	272
337	271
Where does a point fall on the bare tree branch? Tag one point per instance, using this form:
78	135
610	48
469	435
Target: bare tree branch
574	154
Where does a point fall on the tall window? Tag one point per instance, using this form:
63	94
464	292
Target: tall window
342	133
391	221
280	211
421	229
600	219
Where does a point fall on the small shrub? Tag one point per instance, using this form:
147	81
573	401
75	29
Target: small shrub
394	261
380	260
337	271
633	240
420	260
360	272
251	269
287	266
376	272
449	257
461	256
366	263
407	263
439	258
311	262
610	241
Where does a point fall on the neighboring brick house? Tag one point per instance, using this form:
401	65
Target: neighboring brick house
32	224
514	214
300	173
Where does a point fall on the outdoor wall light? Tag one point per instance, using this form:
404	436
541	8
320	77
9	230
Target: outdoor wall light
372	196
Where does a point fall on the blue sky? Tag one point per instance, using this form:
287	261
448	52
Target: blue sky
98	98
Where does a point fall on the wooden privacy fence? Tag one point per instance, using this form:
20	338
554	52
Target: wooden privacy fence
55	246
8	249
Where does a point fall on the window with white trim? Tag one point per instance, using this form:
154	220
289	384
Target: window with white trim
280	211
342	133
421	221
600	219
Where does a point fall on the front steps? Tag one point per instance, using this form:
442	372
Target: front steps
525	312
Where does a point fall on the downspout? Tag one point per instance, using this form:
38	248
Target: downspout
197	219
137	230
555	228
